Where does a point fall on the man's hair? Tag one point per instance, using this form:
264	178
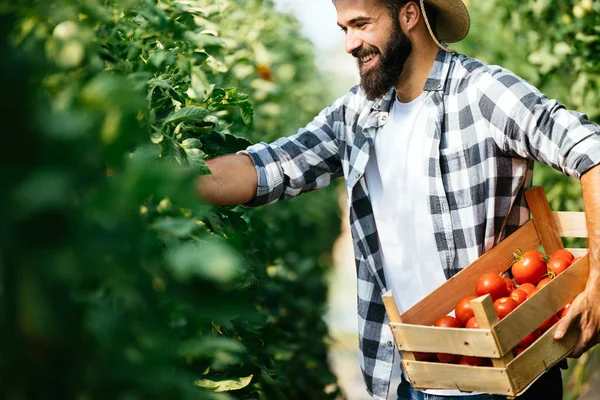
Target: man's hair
394	6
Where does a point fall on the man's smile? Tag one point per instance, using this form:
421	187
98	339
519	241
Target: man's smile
368	61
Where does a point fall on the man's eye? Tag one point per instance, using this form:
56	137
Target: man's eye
343	30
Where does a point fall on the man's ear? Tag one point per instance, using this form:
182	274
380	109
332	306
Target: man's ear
410	15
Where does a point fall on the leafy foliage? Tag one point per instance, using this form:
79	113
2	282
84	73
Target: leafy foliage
114	280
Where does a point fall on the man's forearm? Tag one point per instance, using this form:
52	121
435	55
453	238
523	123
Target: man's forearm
590	185
233	181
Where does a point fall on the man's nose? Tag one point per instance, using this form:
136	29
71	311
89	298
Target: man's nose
353	41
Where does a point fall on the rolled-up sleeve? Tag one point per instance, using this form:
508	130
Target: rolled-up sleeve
529	124
308	160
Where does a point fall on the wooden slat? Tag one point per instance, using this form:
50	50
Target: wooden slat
390	306
539	357
578	252
570	224
543	219
468	342
541	306
395	318
444	299
427	375
484	311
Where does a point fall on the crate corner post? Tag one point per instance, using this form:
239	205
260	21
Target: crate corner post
395	318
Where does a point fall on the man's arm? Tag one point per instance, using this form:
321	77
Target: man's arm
584	312
233	181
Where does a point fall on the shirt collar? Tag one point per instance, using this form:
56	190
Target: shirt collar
436	80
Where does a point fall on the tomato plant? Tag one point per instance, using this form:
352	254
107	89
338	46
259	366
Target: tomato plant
114	265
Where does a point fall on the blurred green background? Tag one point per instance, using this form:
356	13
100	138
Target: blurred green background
115	282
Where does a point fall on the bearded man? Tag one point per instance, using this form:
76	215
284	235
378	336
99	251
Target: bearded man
437	150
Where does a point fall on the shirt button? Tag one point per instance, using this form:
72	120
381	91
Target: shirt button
389	343
384	118
357	176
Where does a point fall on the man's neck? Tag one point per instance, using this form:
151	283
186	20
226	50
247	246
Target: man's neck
415	73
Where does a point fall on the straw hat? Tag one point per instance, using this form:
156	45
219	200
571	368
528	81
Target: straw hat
452	22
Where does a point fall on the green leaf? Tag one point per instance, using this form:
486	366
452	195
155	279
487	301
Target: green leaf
205	40
208	259
195	158
225	385
189	114
179	227
191	143
200	88
247	113
210	346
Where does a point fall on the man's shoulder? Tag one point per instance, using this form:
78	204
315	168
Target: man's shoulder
477	73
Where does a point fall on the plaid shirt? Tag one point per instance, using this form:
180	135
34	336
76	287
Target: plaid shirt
488	127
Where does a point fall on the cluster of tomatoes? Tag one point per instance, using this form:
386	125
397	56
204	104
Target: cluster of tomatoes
531	271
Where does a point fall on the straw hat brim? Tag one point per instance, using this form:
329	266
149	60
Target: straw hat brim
453	21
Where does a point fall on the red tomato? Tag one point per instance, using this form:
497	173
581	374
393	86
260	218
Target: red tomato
504	306
566	254
493	284
518	295
530	267
448	322
558	264
425	356
468	360
549	323
544	282
449	358
472	323
463	310
528	288
510	284
563	311
529	339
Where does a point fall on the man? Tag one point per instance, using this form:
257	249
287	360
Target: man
436	150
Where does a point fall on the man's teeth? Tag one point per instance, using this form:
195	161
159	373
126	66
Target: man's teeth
366	58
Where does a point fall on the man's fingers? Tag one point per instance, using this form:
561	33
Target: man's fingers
563	326
577	351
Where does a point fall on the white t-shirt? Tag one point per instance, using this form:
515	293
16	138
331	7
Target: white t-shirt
398	188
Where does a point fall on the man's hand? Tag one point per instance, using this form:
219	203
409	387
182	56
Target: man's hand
584	312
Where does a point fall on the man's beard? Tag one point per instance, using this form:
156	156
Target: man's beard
377	80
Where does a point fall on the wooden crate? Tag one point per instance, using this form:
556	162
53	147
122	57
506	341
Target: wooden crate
509	376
